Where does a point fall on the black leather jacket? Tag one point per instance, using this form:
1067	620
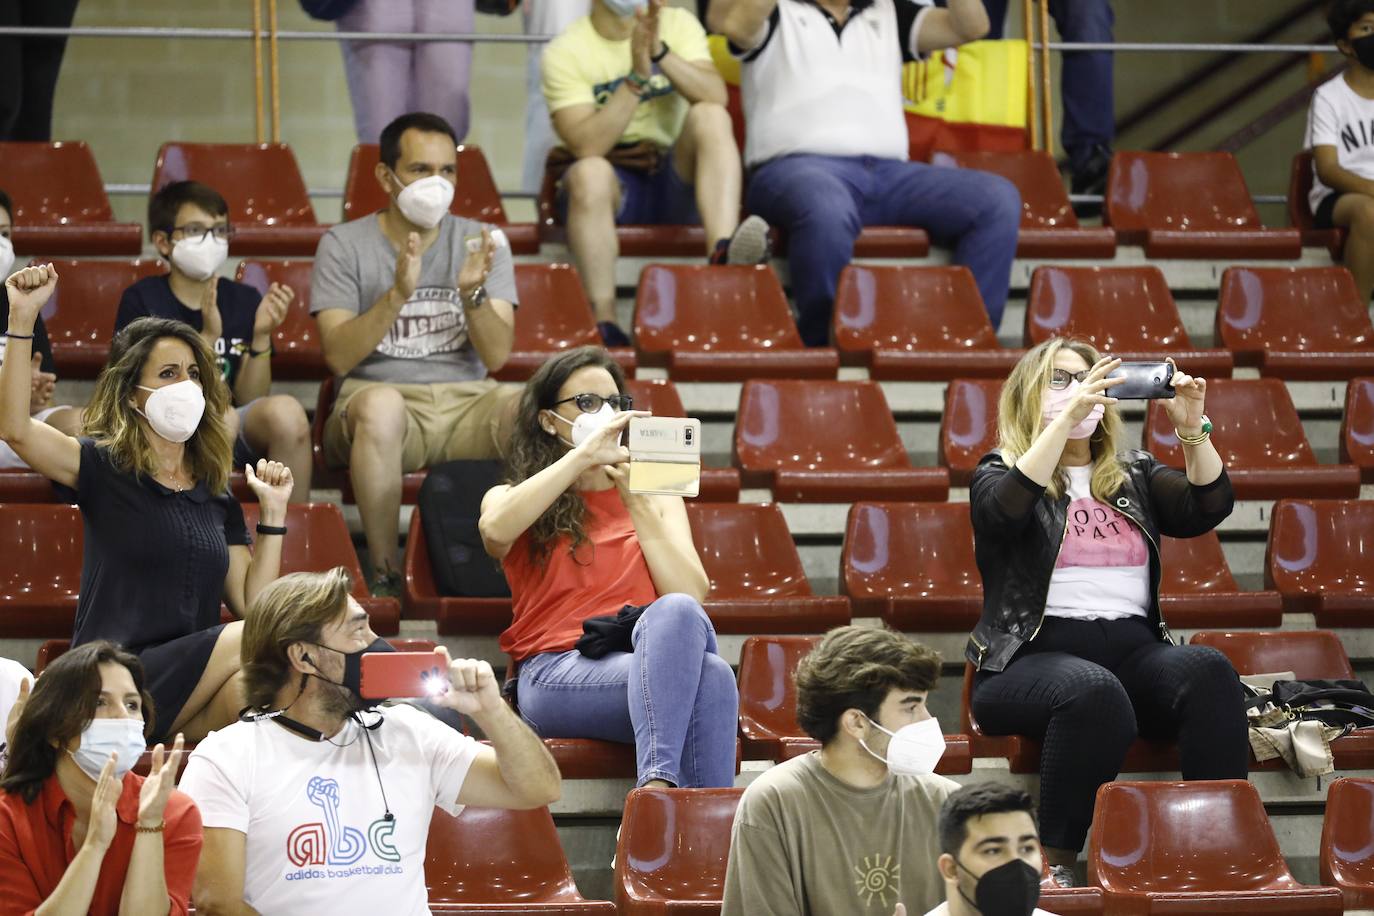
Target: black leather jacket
1018	530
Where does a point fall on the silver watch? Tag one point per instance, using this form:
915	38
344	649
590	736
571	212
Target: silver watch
478	298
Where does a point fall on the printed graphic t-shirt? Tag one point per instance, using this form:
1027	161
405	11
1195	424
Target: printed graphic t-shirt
582	68
1340	118
806	842
428	343
1103	570
312	811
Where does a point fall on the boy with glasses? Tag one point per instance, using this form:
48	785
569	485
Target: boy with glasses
188	223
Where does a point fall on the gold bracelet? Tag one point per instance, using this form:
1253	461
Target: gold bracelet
139	828
1194	440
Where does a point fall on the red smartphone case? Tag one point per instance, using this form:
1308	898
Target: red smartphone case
388	675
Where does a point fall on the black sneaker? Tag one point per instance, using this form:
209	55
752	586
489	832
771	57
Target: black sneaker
612	335
1090	177
385	585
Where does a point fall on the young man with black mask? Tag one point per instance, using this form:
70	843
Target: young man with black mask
1338	133
990	857
315	801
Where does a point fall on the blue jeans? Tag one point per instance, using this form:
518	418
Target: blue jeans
824	201
1086	84
674	697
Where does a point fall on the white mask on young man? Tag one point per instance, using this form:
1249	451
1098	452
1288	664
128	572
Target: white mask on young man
914	750
200	258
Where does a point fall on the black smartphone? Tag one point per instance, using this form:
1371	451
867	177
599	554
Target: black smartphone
1144	381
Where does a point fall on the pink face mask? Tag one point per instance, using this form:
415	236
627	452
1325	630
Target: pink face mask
1053	402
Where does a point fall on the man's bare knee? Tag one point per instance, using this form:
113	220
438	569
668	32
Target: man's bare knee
707	121
590	181
377	415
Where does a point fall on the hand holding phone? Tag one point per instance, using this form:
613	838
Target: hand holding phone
399	675
665	456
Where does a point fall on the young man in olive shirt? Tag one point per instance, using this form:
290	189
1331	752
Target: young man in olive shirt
834	831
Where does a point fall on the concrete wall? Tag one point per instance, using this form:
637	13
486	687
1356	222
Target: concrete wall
126	96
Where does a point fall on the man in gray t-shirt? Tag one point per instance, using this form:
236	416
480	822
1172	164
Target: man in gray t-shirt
414	306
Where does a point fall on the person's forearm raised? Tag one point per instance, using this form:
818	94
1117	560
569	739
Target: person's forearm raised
970	18
594	133
350	342
672	558
741	21
695	81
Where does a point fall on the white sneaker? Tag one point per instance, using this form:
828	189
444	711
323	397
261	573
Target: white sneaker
749	244
1062	876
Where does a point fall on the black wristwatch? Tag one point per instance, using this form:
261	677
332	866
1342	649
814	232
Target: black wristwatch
655	58
478	298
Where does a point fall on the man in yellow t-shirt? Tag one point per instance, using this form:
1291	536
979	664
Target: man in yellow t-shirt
635	72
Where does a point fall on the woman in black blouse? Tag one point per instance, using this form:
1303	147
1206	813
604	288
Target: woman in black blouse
1071	649
165	541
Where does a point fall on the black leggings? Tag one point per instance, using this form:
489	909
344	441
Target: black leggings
29	67
1086	688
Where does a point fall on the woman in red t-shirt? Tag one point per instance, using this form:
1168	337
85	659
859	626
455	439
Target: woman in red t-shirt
576	544
79	832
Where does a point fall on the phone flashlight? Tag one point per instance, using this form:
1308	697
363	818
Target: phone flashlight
435	684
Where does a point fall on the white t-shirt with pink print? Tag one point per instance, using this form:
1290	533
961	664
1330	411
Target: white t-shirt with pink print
1103	570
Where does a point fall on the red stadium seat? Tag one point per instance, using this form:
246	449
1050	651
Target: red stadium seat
1069	901
860	455
1320	558
1357	427
912	565
1347	849
421	599
1309	654
298	352
80	316
269	207
41	576
1125	311
49	652
1203	847
327	477
1189	205
757	581
408	644
660	398
475	197
1300	211
1049	227
768	705
716	323
60	205
968	426
554	316
319	540
1296	322
497	860
19	486
1197	589
916	324
672	850
1259	435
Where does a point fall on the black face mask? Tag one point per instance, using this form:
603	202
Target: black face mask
1010	889
353	671
1364	50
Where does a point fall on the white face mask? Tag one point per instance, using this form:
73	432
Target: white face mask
914	750
587	423
425	202
174	412
122	737
200	258
6	258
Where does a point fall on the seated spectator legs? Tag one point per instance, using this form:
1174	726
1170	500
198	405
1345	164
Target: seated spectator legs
1356	213
823	202
706	156
678	743
594	197
1089	104
275	427
443	69
218	695
377	426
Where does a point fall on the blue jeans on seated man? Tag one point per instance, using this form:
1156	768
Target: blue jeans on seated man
823	202
673	697
1087	93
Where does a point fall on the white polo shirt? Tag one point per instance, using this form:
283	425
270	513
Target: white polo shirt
811	85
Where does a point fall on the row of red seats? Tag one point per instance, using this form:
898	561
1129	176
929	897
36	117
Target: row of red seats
902	323
1189	205
910	564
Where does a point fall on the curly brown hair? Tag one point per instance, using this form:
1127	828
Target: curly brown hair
532	449
855	668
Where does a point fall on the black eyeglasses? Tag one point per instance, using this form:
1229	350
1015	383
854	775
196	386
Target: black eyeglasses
1060	378
591	403
223	232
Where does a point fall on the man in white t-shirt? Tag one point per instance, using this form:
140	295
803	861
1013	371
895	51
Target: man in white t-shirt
1340	133
821	84
990	857
316	804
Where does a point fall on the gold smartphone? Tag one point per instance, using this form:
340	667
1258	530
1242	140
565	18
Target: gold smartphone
665	455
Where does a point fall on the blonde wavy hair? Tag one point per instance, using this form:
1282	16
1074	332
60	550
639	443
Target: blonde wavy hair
112	421
1019	418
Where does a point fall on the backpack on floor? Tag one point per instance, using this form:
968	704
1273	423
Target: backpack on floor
450	505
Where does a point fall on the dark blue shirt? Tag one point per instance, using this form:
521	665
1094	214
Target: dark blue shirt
238	308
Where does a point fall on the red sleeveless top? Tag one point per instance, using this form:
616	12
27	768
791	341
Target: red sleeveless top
550	602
